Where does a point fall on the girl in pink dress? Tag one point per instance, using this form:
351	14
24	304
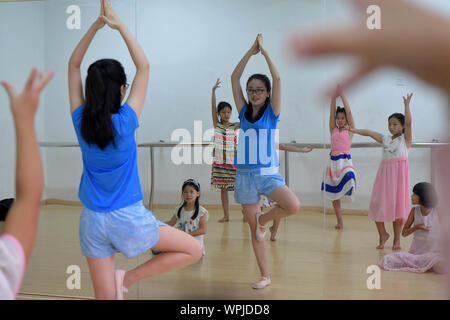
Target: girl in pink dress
340	178
424	253
390	195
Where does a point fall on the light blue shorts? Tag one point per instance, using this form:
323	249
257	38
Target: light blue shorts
131	230
250	184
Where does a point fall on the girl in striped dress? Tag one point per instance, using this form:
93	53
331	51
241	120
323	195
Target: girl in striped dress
340	179
223	169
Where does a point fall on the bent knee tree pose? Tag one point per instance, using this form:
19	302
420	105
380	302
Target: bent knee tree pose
257	161
114	218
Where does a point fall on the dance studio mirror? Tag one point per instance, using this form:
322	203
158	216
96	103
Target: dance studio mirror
189	45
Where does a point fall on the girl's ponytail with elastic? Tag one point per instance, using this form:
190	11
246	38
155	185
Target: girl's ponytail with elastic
103	98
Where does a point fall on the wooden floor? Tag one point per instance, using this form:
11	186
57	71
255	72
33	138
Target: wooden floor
309	260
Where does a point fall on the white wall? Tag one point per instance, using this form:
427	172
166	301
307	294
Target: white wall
191	43
22	41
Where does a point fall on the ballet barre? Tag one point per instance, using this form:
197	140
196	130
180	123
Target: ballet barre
434	146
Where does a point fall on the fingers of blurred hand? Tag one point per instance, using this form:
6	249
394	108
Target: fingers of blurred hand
45	80
31	79
38	79
339	41
363	70
9	89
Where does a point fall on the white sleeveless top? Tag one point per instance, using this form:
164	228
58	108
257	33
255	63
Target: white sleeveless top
431	221
394	148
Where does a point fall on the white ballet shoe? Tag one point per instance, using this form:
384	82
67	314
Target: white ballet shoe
260	234
120	289
262	283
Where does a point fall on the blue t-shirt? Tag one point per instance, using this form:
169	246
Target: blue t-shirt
110	178
256	146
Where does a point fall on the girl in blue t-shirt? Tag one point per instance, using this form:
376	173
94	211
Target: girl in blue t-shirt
114	218
256	157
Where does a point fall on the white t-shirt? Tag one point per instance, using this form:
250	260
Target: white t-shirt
431	221
12	266
394	148
186	224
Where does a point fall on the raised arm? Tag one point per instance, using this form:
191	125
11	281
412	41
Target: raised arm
215	119
378	137
139	86
408	120
23	217
333	113
238	95
275	99
348	111
76	95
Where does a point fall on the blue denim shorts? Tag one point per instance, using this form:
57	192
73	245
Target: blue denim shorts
131	230
250	184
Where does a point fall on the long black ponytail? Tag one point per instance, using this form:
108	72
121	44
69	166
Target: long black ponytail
103	98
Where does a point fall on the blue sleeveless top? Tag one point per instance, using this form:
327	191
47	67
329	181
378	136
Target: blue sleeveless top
110	179
256	141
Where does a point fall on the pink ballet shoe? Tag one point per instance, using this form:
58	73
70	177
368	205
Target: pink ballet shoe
262	283
260	234
120	289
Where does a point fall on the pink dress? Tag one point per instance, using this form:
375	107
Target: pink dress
391	192
340	177
425	250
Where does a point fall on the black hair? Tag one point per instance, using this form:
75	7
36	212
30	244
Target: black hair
427	194
103	98
400	117
196	185
222	105
249	111
341	110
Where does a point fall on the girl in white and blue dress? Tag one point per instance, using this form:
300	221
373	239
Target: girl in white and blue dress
256	157
114	218
340	178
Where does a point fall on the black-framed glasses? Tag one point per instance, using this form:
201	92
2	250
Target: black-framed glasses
126	85
257	91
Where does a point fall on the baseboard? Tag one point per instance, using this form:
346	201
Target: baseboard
330	211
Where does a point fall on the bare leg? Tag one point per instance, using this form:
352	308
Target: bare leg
244	218
384	236
398	224
259	247
337	210
287	205
178	250
102	276
225	206
273	229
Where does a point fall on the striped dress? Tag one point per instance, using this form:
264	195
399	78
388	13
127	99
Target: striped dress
340	178
223	169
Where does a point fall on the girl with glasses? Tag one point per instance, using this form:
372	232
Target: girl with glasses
256	157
